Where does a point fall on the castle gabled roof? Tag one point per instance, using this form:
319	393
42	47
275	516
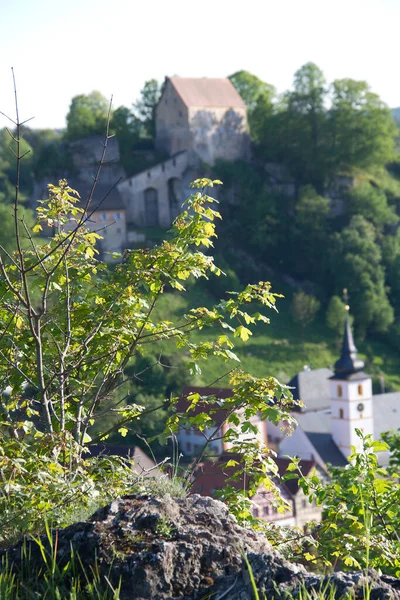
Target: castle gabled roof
207	92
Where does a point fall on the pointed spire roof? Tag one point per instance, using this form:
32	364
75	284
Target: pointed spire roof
348	363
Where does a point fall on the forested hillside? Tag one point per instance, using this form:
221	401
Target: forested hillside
331	215
315	209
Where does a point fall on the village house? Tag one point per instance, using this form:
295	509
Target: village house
210	477
107	217
191	440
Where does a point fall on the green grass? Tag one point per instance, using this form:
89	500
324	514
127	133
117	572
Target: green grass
50	581
280	349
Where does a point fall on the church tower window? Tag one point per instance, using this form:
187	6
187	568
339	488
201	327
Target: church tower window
341	413
339	391
360	390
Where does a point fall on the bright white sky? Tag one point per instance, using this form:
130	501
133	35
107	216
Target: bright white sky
61	48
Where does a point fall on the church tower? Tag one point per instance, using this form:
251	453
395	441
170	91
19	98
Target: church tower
351	397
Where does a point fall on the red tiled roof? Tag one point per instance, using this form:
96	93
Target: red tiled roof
218	415
210	476
293	484
207	92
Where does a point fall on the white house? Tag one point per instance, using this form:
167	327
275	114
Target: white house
326	434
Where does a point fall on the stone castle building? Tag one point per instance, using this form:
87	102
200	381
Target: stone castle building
197	122
204	115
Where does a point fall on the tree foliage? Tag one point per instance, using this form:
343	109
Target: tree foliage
304	308
336	315
87	116
357	252
360	509
69	328
144	108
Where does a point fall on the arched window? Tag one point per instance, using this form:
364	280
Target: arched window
151	207
360	390
341	413
174	197
339	391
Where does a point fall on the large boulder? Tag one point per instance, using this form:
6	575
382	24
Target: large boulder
189	548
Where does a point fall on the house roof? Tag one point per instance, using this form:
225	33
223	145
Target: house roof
386	409
211	476
143	465
317	427
207	92
293	484
312	387
105	197
218	415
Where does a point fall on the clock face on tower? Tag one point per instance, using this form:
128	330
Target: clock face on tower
360	407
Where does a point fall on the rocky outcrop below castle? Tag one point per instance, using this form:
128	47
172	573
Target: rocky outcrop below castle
190	549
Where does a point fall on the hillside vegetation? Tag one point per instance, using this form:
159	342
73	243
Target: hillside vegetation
282	348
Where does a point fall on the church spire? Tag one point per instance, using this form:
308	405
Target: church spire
348	363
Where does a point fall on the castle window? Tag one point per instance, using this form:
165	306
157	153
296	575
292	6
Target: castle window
266	511
255	512
360	390
103	217
188	446
117	216
341	413
339	391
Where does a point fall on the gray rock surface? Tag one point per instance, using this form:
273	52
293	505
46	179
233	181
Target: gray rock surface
190	549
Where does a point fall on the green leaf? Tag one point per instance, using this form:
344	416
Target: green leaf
243	333
123	431
379	446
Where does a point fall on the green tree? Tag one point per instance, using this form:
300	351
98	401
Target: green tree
87	116
336	315
362	129
293	131
311	233
251	88
371	202
127	129
304	309
50	153
357	265
144	108
360	516
69	328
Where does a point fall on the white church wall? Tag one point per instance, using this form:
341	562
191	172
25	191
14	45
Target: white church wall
299	445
